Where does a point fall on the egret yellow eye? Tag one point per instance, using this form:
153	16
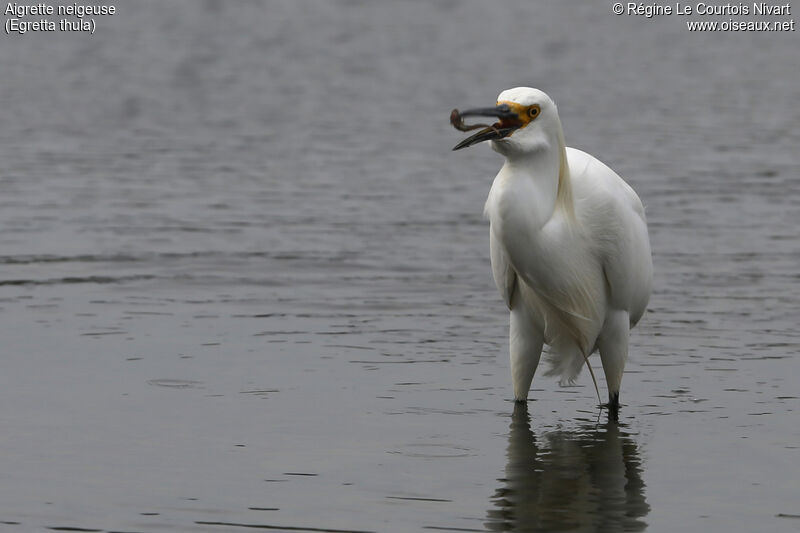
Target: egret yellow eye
533	111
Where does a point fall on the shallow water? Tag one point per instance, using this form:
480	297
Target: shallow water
245	283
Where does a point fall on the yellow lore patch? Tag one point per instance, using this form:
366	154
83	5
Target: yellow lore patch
525	114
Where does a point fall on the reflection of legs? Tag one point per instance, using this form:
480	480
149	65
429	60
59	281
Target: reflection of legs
613	344
525	346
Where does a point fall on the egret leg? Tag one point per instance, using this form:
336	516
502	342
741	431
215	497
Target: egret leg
613	345
525	346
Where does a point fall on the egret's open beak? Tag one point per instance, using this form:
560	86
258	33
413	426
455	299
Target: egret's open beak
509	122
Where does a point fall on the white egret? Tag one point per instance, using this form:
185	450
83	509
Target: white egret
568	242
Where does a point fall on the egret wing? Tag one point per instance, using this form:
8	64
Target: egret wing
504	275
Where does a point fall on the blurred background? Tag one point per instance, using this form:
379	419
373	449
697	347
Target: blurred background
244	282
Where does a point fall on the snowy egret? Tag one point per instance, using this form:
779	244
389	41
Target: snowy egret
568	243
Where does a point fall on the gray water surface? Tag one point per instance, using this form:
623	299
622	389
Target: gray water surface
244	282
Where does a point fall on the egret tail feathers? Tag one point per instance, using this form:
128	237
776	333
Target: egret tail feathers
565	364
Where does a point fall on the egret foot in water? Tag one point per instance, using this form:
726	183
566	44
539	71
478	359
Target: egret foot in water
612	406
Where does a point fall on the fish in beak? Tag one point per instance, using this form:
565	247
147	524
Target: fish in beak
508	123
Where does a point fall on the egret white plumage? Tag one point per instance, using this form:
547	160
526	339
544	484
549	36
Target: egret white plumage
568	241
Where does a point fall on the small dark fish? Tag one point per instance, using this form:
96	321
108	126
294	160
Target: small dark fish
458	122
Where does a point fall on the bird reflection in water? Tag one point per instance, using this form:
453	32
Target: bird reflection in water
587	479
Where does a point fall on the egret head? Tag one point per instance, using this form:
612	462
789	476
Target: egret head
528	122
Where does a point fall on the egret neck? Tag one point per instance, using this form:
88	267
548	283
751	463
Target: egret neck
523	195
